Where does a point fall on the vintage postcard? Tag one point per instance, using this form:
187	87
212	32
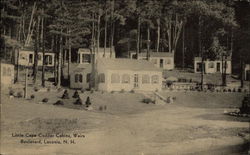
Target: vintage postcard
125	77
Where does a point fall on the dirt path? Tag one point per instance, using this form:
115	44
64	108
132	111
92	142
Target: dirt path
169	129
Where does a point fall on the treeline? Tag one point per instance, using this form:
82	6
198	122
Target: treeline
207	28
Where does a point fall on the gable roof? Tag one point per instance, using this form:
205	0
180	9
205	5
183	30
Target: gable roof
127	64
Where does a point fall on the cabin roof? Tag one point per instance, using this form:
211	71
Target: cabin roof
155	54
199	59
127	64
101	50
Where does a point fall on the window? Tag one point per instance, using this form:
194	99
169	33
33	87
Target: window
155	79
145	79
4	71
115	78
8	71
125	78
102	78
168	61
210	65
30	58
198	67
88	77
78	78
48	59
86	58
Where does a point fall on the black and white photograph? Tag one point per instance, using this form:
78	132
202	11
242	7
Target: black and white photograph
125	77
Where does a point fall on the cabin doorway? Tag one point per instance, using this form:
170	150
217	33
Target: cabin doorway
218	67
161	63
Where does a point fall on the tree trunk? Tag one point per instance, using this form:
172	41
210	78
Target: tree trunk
36	51
69	60
98	32
43	50
183	48
105	30
158	35
242	75
148	42
112	28
138	38
201	53
17	66
30	25
59	61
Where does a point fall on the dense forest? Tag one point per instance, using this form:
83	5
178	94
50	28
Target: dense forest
188	28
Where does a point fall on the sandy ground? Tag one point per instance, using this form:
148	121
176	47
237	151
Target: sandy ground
194	124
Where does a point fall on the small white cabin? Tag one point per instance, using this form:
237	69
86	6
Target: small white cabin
7	74
164	60
26	58
120	74
84	54
212	66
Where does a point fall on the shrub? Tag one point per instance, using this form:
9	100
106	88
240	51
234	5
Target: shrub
76	94
48	89
19	95
112	92
32	96
104	107
65	95
229	90
239	90
36	89
132	91
11	92
169	83
147	100
92	90
87	102
78	101
234	90
59	102
122	91
82	90
156	90
174	98
45	100
245	91
224	90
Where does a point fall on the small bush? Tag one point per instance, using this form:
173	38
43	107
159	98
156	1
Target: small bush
122	91
104	107
174	98
19	95
78	101
156	90
48	89
224	90
59	102
147	100
132	91
112	92
92	90
239	90
229	90
45	100
82	90
87	102
36	89
76	94
32	96
11	92
65	95
245	91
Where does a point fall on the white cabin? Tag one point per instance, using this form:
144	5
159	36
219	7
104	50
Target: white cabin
212	66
